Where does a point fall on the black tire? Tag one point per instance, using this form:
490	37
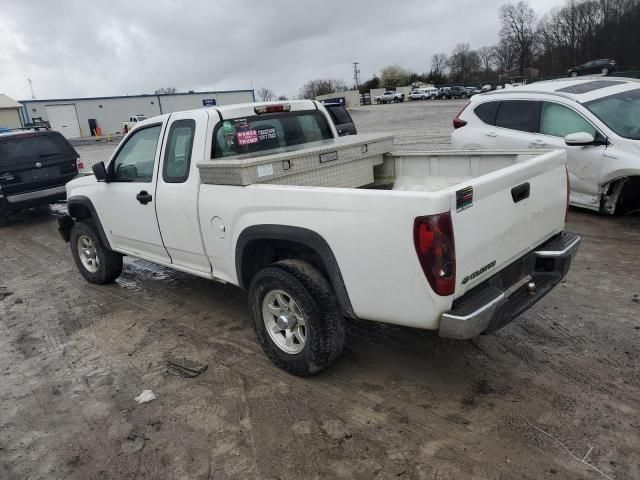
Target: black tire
109	262
605	71
4	219
378	101
324	323
574	74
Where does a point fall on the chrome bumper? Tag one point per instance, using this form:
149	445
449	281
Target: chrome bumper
502	298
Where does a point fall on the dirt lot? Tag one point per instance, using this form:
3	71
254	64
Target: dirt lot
400	403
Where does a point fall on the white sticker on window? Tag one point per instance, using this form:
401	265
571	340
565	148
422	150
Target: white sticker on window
265	170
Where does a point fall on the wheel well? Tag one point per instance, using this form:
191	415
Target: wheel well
622	196
79	211
258	254
262	245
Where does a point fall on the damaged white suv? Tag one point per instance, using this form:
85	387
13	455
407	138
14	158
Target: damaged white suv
596	120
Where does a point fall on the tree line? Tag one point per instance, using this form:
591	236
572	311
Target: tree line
569	35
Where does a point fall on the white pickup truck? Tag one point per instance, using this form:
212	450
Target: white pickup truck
132	122
390	97
460	242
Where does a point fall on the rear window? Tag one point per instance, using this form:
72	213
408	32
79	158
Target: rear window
522	115
27	147
487	112
260	133
339	115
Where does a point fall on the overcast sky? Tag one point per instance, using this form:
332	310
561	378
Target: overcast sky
79	48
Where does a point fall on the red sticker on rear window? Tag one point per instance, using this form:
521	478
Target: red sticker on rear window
247	137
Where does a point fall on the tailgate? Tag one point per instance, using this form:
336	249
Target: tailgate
500	216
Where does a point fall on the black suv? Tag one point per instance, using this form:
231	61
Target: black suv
34	168
603	66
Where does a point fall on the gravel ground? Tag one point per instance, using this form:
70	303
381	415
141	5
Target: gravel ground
400	403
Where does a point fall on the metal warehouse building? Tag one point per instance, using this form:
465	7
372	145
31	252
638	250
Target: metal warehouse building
80	117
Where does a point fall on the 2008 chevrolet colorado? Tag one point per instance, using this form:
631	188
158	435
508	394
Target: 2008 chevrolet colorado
460	242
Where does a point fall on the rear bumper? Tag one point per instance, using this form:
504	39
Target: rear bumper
502	298
31	199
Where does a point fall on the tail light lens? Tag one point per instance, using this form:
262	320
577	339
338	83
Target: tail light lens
79	164
458	122
435	247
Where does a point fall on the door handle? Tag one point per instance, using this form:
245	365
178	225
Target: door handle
491	134
144	197
538	143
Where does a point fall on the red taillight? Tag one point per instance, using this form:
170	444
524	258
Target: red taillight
435	246
457	122
285	107
79	164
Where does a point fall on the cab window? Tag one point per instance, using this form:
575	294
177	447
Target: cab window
177	157
262	133
135	160
559	121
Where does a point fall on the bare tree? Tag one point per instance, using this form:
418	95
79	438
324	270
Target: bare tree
505	56
519	31
166	90
282	97
266	95
314	88
487	56
463	62
394	76
438	67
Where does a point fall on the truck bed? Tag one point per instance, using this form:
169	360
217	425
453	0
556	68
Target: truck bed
502	205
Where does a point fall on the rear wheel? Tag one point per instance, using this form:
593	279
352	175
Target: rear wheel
296	317
574	74
3	219
95	262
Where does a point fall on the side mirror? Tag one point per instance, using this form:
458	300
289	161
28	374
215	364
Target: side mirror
100	171
579	139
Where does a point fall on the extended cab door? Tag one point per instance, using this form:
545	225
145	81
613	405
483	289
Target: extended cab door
127	202
178	188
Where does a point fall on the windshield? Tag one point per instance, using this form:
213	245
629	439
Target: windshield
620	112
259	133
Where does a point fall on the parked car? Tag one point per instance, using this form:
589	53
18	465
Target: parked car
424	94
34	168
597	122
426	250
390	97
132	122
341	119
457	92
471	91
602	66
443	93
417	94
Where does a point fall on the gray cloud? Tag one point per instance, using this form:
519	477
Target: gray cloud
78	48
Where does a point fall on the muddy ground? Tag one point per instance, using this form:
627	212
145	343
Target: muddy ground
399	404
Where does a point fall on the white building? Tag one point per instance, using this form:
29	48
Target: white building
9	112
81	117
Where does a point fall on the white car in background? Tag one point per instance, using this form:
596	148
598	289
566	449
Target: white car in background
596	120
423	94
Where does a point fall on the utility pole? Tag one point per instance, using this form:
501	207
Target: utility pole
356	74
33	95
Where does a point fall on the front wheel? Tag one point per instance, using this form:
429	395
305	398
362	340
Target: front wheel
605	71
574	74
95	262
296	317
